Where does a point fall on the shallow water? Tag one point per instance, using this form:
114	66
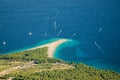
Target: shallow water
95	24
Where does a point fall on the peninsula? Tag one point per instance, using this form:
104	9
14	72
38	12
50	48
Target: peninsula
37	63
51	46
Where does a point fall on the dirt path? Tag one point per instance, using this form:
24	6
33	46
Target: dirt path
54	66
25	66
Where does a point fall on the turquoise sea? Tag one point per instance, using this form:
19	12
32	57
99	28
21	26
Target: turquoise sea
92	28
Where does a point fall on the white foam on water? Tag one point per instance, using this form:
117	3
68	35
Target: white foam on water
4	42
29	33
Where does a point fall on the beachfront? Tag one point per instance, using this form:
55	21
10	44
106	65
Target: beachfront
51	46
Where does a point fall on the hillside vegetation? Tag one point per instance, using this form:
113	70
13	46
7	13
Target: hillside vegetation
35	65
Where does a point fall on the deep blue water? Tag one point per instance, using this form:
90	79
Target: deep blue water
94	23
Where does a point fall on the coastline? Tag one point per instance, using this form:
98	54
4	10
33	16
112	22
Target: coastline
54	47
51	47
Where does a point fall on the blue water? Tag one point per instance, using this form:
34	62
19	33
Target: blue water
41	43
94	23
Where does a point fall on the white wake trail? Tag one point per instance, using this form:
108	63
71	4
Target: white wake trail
99	47
57	12
100	29
55	25
74	34
60	32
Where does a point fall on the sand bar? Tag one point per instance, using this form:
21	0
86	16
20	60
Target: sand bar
51	46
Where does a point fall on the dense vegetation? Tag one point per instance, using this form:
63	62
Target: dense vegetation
80	72
52	69
38	55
